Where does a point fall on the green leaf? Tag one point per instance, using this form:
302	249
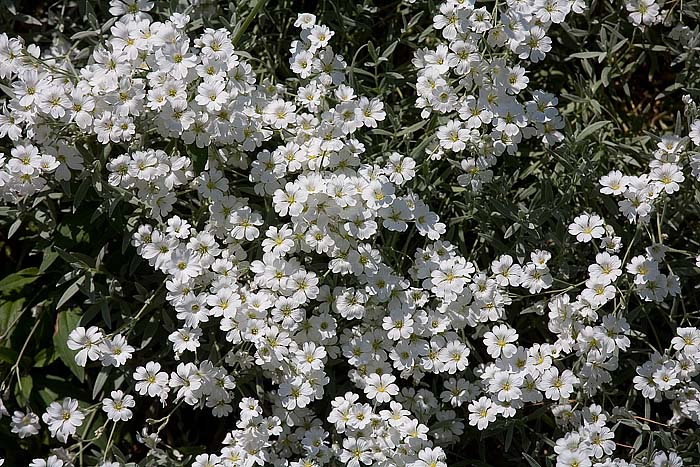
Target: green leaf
7	90
16	281
44	357
14	227
394	75
75	259
372	51
10	5
26	19
380	132
8	313
24	389
592	54
70	291
413	128
589	130
199	157
8	355
48	259
81	192
66	322
530	460
509	437
360	71
390	49
84	34
100	381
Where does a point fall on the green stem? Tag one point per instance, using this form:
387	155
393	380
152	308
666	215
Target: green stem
132	323
249	19
15	367
109	443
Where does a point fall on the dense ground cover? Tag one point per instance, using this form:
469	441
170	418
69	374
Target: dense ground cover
385	233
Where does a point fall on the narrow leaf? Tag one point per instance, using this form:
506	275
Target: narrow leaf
589	130
66	322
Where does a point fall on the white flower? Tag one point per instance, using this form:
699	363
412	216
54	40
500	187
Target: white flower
118	405
535	45
295	393
87	342
499	341
279	114
310	357
398	325
430	457
63	418
319	35
606	270
642	11
356	451
290	200
668	177
587	227
694	133
506	386
150	380
614	183
369	112
186	380
454	357
52	461
452	136
185	339
211	94
556	386
24	425
481	413
573	459
115	351
207	460
661	459
250	408
305	21
505	272
381	387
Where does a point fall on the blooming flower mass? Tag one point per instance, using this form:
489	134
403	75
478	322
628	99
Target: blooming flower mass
387	234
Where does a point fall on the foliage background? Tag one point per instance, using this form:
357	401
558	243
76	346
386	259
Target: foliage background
618	86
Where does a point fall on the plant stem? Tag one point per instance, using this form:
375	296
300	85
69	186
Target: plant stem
249	19
109	443
15	367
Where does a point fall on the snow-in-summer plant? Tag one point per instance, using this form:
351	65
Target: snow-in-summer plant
478	76
368	234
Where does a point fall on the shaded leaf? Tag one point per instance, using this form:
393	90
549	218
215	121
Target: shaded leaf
16	281
66	322
589	130
199	157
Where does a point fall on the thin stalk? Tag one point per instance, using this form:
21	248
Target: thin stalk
109	443
15	367
251	16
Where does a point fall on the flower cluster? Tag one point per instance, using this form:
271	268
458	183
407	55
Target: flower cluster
313	300
151	176
476	80
670	375
643	197
591	442
92	344
278	303
640	194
